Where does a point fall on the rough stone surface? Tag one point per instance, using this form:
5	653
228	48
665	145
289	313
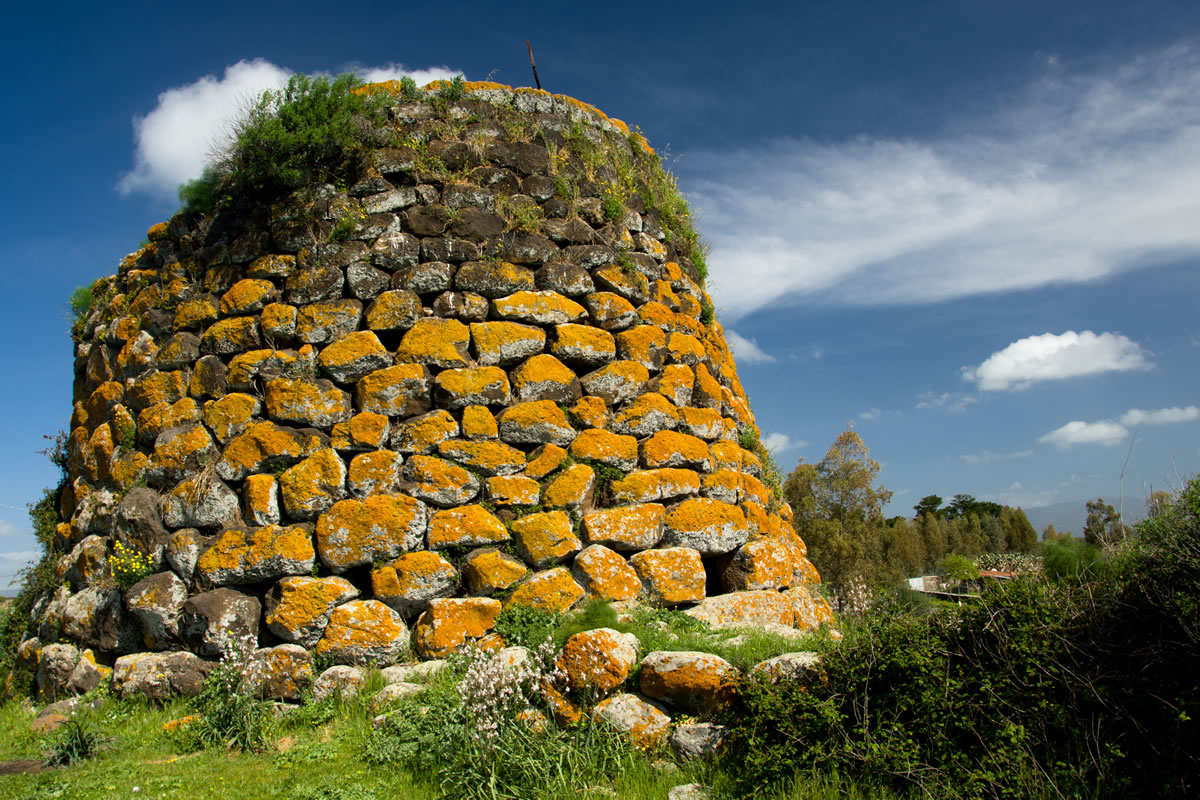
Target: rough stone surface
361	632
642	722
691	681
160	676
696	740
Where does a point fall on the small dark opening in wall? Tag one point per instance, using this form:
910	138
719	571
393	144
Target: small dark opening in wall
714	568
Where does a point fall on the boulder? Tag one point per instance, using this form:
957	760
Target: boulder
220	622
160	676
643	723
156	602
598	660
362	632
298	608
690	681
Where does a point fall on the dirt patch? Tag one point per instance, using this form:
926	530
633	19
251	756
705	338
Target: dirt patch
21	767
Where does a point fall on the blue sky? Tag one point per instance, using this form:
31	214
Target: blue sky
971	229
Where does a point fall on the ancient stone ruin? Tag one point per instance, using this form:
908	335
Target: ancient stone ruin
357	424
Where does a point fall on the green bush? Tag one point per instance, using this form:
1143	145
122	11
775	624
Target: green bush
77	740
231	715
525	626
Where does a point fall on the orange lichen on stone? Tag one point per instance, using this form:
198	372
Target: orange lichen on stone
299	607
616	382
545	460
538	308
675	383
362	631
606	447
643	725
228	416
513	490
272	266
176	452
163	416
245	368
469	526
583	344
597	660
646	415
263	443
459	388
610	311
571	489
689	324
354	355
644	344
247	296
260	500
754	608
631	284
604	573
489	571
536	422
501	343
448	623
672	449
479	424
707	525
357	532
365	431
313	485
320	323
489	458
98	406
754	489
662	293
278	321
693	681
395	310
707	391
591	411
413	579
435	342
233	335
671	575
737	408
398	391
724	485
707	423
157	387
544	377
655	313
630	528
137	355
127	468
424	433
192	314
811	609
761	564
727	455
316	403
374	472
266	553
545	539
440	482
653	485
551	590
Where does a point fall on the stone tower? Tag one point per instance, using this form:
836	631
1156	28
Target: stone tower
361	421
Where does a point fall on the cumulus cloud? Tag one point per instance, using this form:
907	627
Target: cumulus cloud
746	350
1054	357
777	443
1161	416
988	457
176	138
1086	174
1105	432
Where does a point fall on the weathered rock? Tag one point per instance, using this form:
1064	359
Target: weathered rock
750	609
344	680
489	571
88	675
448	623
357	532
598	660
261	445
549	590
399	391
353	355
643	723
761	564
572	488
697	740
317	403
424	433
361	632
544	377
283	672
545	539
653	485
485	458
691	791
313	485
468	526
706	525
393	693
412	580
156	603
298	608
537	422
55	664
691	681
789	666
811	609
160	676
376	472
220	622
440	343
439	482
610	449
95	617
240	556
626	529
604	573
671	575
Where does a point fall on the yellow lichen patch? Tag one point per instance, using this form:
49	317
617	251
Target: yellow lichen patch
247	296
266	553
675	383
655	484
354	355
683	348
550	590
672	272
545	539
751	463
260	497
233	335
591	411
192	314
672	449
707	525
439	482
654	313
695	682
690	309
398	391
228	416
707	391
127	467
616	382
631	528
137	355
724	485
489	571
411	580
162	416
538	308
583	344
394	310
757	520
754	489
273	266
610	311
157	387
313	485
459	388
244	368
671	575
478	423
466	525
647	414
739	409
745	608
644	344
572	489
316	403
811	610
513	490
546	459
181	450
605	574
804	572
631	284
536	422
322	322
299	607
357	532
606	447
100	444
376	472
706	423
98	406
505	342
544	377
423	434
278	321
263	443
435	342
642	724
448	623
365	431
158	231
488	457
562	709
661	293
362	631
727	455
597	660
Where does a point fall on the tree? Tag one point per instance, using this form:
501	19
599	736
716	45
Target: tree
1050	534
1157	503
1103	526
1022	536
929	504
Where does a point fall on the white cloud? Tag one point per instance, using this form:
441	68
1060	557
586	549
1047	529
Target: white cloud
988	457
955	402
1105	432
190	122
1054	357
1082	176
746	350
777	443
9	529
12	563
871	413
1161	416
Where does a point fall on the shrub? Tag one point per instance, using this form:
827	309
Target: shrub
128	565
77	740
525	626
231	714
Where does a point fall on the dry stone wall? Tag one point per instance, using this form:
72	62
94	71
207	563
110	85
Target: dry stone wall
362	421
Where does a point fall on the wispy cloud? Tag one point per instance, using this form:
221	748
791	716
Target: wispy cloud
1084	175
777	443
1114	431
1161	416
870	413
176	138
746	350
955	402
988	457
1055	357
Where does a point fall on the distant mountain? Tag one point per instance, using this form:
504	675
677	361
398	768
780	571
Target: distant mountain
1069	515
